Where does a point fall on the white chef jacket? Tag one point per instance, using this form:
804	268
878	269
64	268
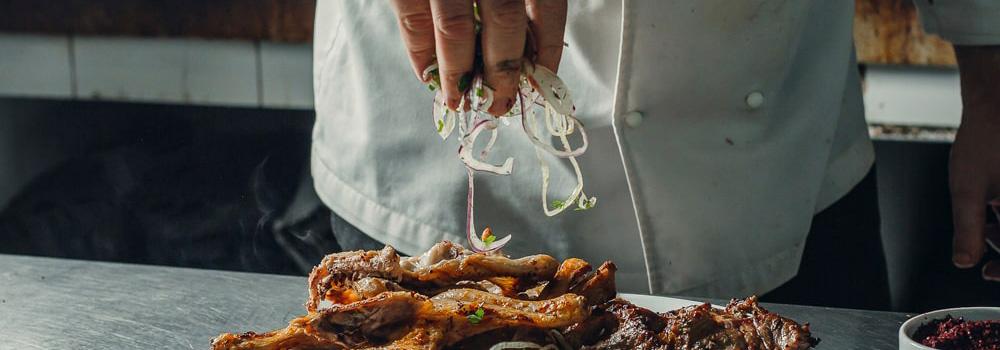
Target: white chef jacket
718	129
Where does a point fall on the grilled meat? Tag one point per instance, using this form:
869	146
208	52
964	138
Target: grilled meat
442	267
451	298
743	324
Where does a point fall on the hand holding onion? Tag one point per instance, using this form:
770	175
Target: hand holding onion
457	34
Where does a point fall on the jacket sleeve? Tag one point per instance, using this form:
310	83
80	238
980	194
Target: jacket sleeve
963	22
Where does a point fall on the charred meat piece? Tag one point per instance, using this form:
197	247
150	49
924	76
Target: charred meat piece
743	324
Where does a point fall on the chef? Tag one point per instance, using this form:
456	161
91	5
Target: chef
728	145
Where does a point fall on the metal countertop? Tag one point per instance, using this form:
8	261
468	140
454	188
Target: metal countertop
48	303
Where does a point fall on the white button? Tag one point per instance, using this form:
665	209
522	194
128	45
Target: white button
633	119
755	100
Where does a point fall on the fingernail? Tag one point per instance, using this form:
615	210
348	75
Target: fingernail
991	271
963	260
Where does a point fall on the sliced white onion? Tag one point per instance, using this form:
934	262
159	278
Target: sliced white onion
444	118
528	123
558	124
486	101
477	243
539	87
489	145
467	157
552	89
545	185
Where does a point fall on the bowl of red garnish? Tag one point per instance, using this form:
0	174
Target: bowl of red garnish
966	328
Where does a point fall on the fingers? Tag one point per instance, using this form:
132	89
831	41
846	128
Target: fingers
505	25
417	29
969	215
455	42
548	25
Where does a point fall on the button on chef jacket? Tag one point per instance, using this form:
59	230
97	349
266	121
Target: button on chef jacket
717	130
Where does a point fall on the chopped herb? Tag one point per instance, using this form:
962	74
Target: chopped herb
556	204
479	92
488	237
476	317
585	203
440	125
431	87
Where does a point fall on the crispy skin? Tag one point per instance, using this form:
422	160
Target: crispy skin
298	335
386	321
442	267
379	300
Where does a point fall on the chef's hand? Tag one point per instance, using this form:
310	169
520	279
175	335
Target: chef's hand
442	31
975	156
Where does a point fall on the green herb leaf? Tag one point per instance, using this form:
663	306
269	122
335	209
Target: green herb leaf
585	203
477	317
489	240
479	92
556	204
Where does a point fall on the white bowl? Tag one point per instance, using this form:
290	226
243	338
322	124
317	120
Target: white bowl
968	313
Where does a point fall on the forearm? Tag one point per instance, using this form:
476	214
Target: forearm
979	67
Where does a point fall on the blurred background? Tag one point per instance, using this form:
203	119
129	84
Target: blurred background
177	133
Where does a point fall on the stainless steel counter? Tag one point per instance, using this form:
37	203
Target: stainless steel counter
69	304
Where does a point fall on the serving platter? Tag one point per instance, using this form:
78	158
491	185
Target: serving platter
658	303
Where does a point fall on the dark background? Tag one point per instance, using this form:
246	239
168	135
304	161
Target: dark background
205	187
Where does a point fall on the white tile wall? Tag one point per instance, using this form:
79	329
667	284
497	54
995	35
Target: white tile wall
240	73
286	75
34	66
167	70
912	96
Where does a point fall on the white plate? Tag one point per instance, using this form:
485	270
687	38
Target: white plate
969	313
658	304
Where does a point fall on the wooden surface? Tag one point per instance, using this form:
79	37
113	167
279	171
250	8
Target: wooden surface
889	32
50	303
885	31
271	20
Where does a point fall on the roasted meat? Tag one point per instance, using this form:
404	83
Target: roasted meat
743	324
444	266
451	298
